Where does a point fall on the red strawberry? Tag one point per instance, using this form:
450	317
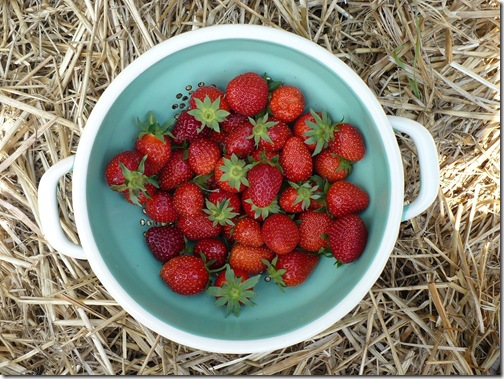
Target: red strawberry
264	155
198	227
231	173
313	230
278	134
280	233
348	143
297	198
247	93
347	237
331	166
296	160
203	155
175	172
344	197
219	137
265	181
238	141
188	199
292	269
185	275
221	213
316	130
249	258
125	173
160	207
300	128
233	288
165	242
211	249
255	212
187	128
154	142
286	103
233	121
209	106
219	195
247	231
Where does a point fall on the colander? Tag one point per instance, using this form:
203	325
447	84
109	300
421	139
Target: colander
111	230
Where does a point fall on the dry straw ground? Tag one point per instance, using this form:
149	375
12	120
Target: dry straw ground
435	308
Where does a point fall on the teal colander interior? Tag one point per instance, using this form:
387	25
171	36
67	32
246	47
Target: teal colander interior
116	225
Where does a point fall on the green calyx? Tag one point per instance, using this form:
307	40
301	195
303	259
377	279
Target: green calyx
208	112
260	129
220	213
264	212
275	274
234	293
152	126
135	182
305	193
321	131
235	172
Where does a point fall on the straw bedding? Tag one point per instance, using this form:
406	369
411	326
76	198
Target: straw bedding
436	307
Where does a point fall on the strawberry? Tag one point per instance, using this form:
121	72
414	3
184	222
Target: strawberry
348	142
255	212
347	237
209	106
175	172
187	128
213	251
286	103
264	155
344	197
316	129
249	258
233	288
247	93
296	160
233	121
238	141
185	275
292	269
277	134
260	128
231	173
313	230
165	242
125	173
219	137
219	195
220	213
160	207
198	227
188	199
297	198
154	142
247	231
280	233
331	166
265	181
203	155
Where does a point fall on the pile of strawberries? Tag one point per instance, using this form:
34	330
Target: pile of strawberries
244	182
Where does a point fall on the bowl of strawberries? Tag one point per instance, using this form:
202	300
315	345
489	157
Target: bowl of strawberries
238	189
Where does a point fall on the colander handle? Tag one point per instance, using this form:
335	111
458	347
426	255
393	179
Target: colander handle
49	211
428	162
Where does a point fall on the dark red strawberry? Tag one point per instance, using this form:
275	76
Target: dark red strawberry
187	128
265	181
233	288
211	249
203	155
296	160
247	231
198	226
292	269
280	233
247	93
347	237
238	141
154	142
188	199
286	103
344	197
165	242
233	121
313	230
331	166
175	172
160	207
185	275
249	258
348	142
